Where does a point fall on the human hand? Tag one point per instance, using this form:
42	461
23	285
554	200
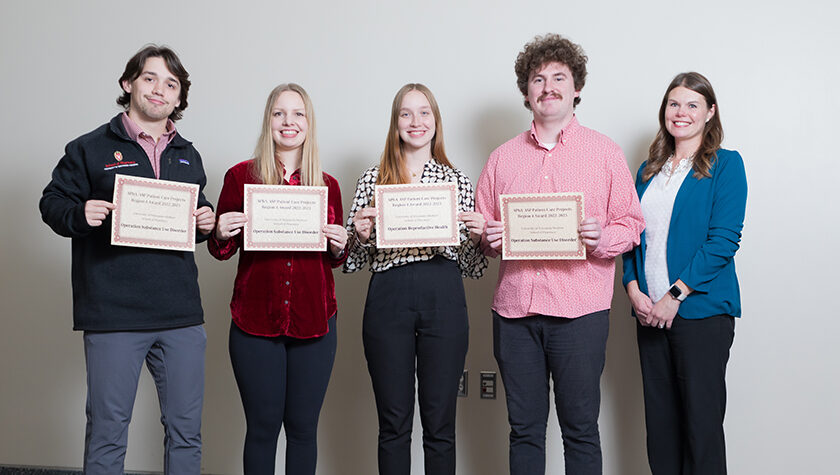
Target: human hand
337	237
590	233
96	211
363	221
205	219
475	224
493	234
642	304
230	224
663	312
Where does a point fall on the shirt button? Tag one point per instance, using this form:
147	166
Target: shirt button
546	177
287	282
289	264
538	273
549	155
286	302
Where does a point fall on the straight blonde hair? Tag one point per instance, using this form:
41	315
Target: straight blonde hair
392	169
265	166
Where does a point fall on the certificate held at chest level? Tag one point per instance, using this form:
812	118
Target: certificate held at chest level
417	215
542	226
155	214
285	218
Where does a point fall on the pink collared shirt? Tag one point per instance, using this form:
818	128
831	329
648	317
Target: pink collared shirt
153	149
582	161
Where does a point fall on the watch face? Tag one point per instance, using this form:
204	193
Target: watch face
675	291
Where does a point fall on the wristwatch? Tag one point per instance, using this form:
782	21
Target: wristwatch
677	293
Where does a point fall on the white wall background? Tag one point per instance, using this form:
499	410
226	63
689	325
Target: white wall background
772	63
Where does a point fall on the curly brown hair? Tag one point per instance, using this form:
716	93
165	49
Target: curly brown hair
551	48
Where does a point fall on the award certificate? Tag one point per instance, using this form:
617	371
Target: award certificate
285	218
417	215
156	214
542	226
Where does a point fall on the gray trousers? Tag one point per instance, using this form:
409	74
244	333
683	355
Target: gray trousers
175	359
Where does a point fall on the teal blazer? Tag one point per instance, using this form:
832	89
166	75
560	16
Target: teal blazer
704	235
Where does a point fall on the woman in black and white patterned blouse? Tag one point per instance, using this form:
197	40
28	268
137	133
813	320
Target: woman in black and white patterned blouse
415	310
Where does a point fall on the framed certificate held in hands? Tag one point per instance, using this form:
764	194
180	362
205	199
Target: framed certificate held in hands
285	218
417	215
155	214
542	226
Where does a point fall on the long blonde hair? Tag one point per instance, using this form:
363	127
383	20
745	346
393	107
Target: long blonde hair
265	165
392	169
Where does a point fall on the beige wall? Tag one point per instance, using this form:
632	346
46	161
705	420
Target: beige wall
771	66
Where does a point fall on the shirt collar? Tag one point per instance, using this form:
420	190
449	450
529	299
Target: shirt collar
294	178
565	134
135	132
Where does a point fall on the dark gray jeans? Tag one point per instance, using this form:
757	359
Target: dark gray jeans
570	351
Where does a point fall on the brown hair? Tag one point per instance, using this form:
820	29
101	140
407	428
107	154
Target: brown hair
392	170
265	166
663	145
551	48
134	67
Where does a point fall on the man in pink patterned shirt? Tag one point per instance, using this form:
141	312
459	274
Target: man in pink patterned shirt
551	317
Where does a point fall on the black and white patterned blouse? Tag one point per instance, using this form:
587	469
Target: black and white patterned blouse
468	255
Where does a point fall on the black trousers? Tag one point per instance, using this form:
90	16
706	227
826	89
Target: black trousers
684	376
282	381
416	319
570	351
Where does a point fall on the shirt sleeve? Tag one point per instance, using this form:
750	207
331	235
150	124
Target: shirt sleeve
471	261
629	263
486	200
725	225
230	200
202	200
358	254
336	214
625	221
62	203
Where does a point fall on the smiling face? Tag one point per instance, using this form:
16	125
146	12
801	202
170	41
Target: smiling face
551	93
154	93
288	121
416	123
686	114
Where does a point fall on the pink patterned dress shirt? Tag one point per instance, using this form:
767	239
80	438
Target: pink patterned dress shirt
153	149
582	161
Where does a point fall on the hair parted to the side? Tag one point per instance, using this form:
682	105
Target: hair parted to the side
392	169
551	48
134	67
663	145
265	165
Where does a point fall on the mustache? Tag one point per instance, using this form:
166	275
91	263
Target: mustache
550	94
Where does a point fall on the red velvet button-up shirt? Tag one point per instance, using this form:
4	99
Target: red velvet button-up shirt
290	293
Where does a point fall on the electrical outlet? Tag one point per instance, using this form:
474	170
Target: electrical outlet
462	384
488	385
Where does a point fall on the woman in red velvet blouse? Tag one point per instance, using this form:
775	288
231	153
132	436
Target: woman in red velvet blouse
282	337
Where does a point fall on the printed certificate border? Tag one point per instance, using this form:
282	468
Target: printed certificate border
382	240
507	254
252	189
117	239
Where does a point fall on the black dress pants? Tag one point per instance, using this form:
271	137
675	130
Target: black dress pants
684	376
416	320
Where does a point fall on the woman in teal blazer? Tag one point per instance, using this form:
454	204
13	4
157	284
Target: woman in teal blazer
681	279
